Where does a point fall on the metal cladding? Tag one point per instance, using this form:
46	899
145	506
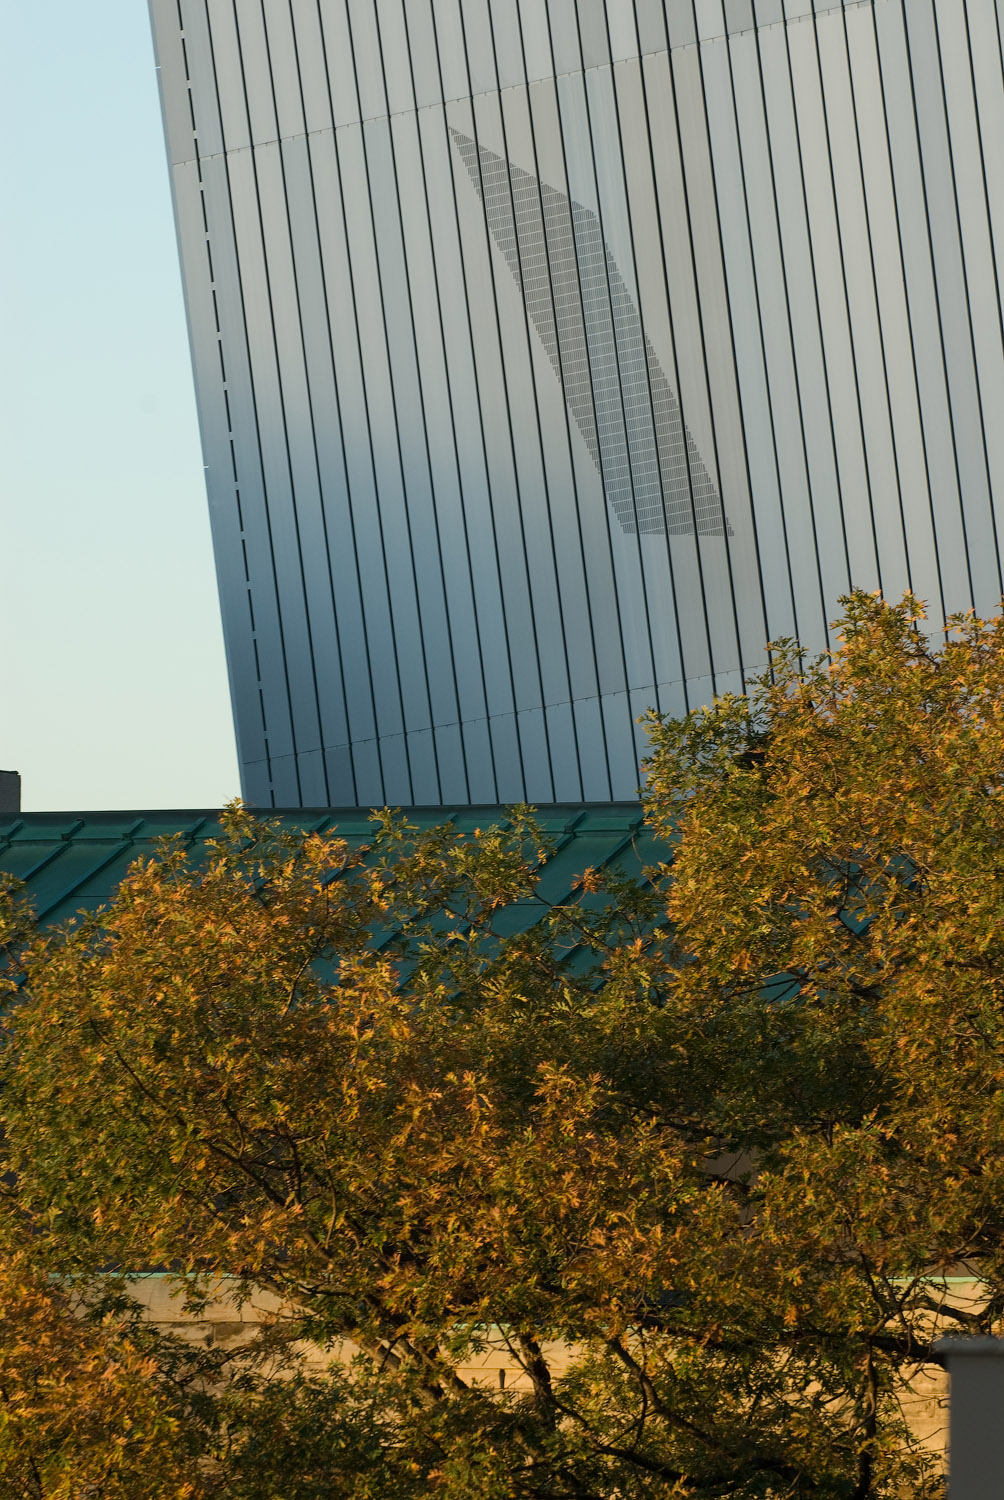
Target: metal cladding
553	356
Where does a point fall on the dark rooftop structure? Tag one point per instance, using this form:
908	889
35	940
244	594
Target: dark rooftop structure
72	862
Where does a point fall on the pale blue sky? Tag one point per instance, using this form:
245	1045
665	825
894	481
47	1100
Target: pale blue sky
113	688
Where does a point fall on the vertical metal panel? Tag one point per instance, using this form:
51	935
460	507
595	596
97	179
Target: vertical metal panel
551	518
590	736
479	762
257	70
419	534
531	530
625	774
795	552
224	507
476	514
887	261
311	64
824	234
388	531
284	70
296	275
603	373
202	77
623	22
955	316
767	544
422	49
651	19
478	45
233	361
680	22
979	268
345	686
366	57
828	559
248	214
394	54
454	783
680	342
593	37
716	341
357	531
338	59
447	525
564	35
867	353
507	758
508	42
982	25
230	92
172	78
503	513
450	43
635	370
579	508
908	180
710	18
536	34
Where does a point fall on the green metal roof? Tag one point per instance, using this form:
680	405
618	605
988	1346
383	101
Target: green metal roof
72	862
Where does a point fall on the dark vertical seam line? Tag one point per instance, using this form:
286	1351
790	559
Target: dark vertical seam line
766	377
481	415
986	202
450	155
282	403
592	401
240	293
908	306
369	424
963	266
790	325
349	506
823	364
251	381
512	441
536	407
374	123
937	299
226	399
748	246
505	360
618	358
646	345
658	197
699	309
735	367
313	426
453	431
576	499
846	295
878	306
423	408
282	398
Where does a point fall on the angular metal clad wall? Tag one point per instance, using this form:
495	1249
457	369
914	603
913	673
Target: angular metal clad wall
554	355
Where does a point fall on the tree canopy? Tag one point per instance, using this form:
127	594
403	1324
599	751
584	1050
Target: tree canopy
699	1153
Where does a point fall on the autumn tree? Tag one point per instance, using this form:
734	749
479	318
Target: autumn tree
698	1153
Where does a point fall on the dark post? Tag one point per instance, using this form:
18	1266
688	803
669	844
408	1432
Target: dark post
10	793
975	1448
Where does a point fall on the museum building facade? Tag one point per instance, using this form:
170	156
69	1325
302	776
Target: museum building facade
552	356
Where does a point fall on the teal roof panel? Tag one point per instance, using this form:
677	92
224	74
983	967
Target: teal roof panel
73	862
